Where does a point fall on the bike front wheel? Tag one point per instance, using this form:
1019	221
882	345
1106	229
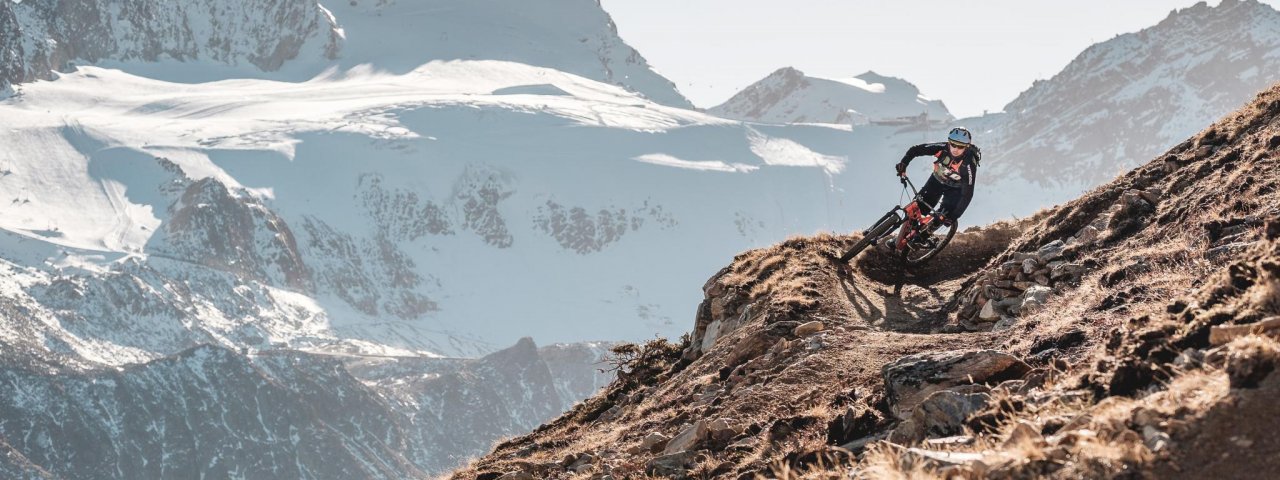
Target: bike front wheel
918	254
885	225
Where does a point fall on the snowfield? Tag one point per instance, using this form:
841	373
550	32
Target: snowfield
451	209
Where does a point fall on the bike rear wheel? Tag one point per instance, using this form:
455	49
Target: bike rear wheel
885	225
938	240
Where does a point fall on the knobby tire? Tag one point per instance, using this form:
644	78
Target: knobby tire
886	224
942	243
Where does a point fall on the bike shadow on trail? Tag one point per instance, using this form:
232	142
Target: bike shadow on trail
918	309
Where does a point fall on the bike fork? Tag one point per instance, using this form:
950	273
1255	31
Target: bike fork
893	214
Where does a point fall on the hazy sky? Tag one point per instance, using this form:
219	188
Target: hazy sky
973	55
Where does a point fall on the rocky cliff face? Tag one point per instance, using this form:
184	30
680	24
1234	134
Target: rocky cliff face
1148	348
213	411
38	38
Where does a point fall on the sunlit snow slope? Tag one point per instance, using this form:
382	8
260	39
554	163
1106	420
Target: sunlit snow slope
450	209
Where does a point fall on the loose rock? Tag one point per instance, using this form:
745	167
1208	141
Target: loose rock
911	379
1051	251
687	438
809	328
654	442
944	412
670	465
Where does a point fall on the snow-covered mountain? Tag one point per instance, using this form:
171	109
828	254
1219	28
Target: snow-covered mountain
572	36
789	96
1124	100
202	40
209	411
451	209
447	210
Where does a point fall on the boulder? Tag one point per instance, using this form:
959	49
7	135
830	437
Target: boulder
723	430
1005	323
1007	303
611	414
994	292
1132	209
911	379
1022	256
582	463
687	438
1038	294
1150	195
672	465
988	311
654	441
1051	251
1102	221
809	328
1071	271
943	413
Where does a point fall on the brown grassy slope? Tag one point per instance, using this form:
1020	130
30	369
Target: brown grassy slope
779	390
1147	393
1132	336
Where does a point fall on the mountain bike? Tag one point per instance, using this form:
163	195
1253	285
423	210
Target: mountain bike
918	239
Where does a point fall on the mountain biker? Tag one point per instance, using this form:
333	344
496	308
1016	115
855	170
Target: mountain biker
954	170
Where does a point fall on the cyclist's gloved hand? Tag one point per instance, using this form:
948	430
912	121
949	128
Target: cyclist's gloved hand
901	168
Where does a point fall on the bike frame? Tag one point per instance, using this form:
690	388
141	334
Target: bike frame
911	212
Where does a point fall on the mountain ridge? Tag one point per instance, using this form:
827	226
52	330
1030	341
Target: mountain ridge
789	96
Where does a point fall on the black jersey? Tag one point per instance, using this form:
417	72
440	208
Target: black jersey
951	171
956	174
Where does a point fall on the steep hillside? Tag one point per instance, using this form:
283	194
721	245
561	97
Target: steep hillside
1125	100
1133	338
790	96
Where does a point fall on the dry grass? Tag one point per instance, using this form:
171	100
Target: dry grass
1089	440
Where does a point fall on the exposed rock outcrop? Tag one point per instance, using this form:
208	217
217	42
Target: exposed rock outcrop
39	38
